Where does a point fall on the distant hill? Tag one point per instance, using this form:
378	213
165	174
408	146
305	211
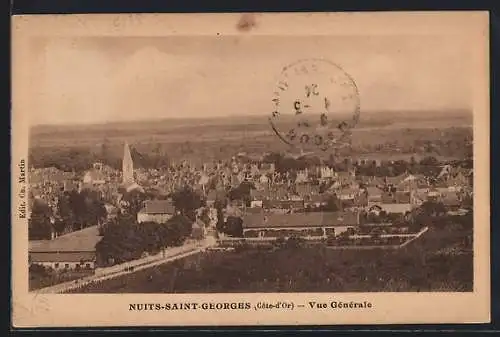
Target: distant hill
182	123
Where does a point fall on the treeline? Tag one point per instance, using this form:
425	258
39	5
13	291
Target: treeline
75	211
429	166
80	159
126	240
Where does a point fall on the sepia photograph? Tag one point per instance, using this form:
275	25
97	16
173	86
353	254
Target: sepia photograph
229	162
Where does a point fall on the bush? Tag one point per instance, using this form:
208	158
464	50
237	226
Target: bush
39	269
295	242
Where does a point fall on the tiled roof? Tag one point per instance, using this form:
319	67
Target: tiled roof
158	207
313	219
37	257
257	194
254	210
285	204
451	199
396	180
80	241
398	197
133	186
348	191
396	208
319	197
372	191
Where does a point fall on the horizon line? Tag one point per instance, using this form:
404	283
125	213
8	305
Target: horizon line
457	111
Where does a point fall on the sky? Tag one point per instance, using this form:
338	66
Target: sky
107	79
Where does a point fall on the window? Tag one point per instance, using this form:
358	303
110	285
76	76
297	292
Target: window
56	265
87	265
66	266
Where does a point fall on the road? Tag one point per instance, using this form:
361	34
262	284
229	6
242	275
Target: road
102	274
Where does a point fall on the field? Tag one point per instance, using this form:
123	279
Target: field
386	135
436	262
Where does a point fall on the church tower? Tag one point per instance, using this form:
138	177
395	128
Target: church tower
127	166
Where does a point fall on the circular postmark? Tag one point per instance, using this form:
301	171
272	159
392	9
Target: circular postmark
315	105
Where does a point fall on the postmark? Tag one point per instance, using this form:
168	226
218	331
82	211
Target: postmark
316	105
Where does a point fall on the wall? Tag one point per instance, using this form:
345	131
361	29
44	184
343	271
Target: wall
60	266
158	218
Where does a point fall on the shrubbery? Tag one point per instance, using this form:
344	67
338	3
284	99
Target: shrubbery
125	240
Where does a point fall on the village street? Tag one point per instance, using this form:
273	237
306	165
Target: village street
170	254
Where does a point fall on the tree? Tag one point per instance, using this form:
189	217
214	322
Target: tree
429	161
220	220
272	158
205	216
59	226
242	192
66	217
234	226
134	201
333	204
431	208
186	201
39	224
179	229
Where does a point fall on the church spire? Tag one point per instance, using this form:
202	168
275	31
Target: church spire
127	166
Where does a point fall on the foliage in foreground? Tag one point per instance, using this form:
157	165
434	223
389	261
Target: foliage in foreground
125	240
421	266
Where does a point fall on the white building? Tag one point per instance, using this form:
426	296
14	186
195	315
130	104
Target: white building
73	251
159	211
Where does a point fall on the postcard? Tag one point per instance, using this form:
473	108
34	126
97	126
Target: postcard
250	169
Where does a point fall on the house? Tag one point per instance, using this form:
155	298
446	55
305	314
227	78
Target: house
159	211
316	200
94	177
278	193
306	189
326	172
133	186
391	208
257	196
284	205
348	193
254	210
395	181
361	200
433	194
314	224
267	167
73	251
374	194
398	197
451	200
302	176
263	179
345	178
